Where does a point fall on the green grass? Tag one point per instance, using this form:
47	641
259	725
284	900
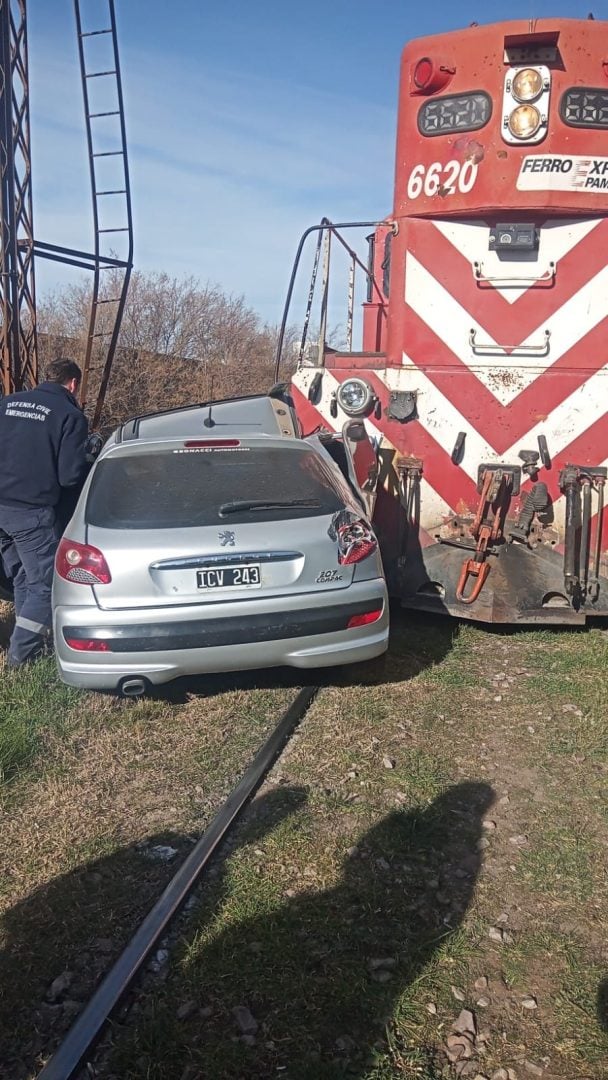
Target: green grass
345	860
561	861
575	990
366	868
579	1002
33	703
111	780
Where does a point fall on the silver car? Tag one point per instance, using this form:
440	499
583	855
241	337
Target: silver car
214	538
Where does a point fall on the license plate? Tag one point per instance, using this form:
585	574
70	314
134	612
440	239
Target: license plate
230	577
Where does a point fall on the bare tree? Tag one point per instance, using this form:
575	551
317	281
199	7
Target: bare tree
180	341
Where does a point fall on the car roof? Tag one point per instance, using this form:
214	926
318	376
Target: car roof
245	418
201	443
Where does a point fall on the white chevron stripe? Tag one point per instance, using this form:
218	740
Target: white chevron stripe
444	421
557	238
439	416
573	417
435	509
566	423
505	377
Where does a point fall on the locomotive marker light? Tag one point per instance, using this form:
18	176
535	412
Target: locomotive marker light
429	76
527	89
356	397
423	73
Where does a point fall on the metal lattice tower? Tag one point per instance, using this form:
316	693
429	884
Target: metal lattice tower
18	352
110	194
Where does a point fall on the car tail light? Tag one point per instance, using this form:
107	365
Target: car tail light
363	620
88	644
82	564
355	542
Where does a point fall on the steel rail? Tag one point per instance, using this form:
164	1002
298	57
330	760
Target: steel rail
88	1026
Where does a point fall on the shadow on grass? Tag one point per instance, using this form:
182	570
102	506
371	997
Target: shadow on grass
417	641
321	973
78	924
325	972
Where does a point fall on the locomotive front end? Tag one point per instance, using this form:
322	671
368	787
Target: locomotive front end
487	382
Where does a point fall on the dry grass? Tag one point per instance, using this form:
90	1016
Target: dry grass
395	863
115	778
368	846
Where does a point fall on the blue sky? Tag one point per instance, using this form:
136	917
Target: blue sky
246	123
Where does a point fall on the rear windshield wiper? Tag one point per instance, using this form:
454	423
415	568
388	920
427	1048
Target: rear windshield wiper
266	504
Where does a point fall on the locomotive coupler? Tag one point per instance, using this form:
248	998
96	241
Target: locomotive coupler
496	491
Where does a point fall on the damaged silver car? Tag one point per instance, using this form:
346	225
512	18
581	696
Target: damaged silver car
214	538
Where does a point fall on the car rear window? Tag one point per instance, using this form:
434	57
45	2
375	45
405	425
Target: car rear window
185	488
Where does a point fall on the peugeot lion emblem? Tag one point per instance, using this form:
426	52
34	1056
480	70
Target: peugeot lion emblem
227	538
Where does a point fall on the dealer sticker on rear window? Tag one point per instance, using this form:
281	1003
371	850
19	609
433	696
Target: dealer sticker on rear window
563	172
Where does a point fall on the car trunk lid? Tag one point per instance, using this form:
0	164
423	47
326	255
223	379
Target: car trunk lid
196	566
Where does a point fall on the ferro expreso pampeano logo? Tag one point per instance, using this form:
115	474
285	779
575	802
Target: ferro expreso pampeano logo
563	172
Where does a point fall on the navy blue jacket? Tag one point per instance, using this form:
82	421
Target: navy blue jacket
42	446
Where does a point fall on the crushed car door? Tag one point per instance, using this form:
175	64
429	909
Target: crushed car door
362	461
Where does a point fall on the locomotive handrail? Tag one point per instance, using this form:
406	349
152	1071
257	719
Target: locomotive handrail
493	348
324	224
515	280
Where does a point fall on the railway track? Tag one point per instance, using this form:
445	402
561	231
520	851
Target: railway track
86	1030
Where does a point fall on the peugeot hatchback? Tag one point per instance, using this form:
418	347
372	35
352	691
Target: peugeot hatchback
215	539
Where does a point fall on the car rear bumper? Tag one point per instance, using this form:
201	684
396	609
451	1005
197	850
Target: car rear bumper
163	644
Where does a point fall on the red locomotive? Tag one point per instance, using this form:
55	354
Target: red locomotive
483	372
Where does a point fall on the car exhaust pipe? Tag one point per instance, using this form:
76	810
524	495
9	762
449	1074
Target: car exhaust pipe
133	686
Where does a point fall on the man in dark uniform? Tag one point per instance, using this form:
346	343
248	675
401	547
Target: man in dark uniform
43	436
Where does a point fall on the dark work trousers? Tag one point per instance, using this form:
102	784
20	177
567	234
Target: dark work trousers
28	539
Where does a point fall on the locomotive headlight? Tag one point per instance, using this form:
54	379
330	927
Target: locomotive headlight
527	85
525	104
524	121
355	397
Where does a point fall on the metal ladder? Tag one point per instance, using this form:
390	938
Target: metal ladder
117	196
